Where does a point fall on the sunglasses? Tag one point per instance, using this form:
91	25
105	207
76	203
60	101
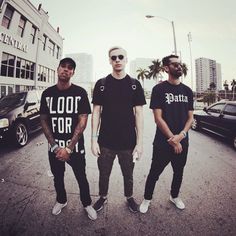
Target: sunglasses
176	64
113	58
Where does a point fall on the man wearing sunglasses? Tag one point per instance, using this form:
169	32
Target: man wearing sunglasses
118	118
172	104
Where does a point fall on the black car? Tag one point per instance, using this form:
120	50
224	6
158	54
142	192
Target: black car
219	118
19	116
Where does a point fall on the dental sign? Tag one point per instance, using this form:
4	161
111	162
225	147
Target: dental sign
7	39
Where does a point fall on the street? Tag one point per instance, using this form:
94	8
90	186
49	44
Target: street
208	191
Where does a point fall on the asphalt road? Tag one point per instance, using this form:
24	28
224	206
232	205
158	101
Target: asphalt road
208	190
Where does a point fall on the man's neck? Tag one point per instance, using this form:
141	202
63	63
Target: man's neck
118	75
174	81
63	85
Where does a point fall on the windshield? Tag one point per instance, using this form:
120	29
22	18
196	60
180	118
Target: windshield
12	100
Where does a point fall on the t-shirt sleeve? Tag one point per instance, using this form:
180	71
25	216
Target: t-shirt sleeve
190	104
84	105
97	94
139	98
43	104
156	101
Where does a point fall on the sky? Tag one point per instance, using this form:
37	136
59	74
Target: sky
94	26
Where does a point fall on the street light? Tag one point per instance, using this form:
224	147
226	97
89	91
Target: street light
191	61
173	29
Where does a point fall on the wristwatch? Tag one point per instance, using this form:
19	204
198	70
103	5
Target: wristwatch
68	150
184	133
54	147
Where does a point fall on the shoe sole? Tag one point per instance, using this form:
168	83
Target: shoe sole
97	210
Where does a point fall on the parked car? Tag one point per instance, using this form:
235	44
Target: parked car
19	116
219	118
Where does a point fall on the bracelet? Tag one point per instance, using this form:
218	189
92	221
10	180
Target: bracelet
54	147
184	133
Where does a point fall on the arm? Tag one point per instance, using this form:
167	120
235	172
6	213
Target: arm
96	117
62	154
138	110
162	125
46	129
177	138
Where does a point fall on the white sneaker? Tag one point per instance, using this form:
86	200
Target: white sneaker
144	206
92	214
57	208
178	202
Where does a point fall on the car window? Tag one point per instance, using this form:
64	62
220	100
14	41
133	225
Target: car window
12	100
230	109
32	96
216	108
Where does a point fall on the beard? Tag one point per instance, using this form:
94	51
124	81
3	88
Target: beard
177	74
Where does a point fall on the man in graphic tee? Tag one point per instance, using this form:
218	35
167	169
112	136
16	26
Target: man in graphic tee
64	112
172	105
117	111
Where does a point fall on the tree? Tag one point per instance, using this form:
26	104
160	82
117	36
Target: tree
212	86
209	97
142	74
233	87
155	69
185	69
226	87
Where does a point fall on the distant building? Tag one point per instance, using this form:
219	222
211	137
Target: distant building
30	48
84	70
207	71
137	63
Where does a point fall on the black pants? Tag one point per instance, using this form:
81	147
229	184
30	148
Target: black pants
77	162
105	163
160	159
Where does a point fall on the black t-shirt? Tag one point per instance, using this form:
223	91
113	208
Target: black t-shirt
117	129
175	101
63	108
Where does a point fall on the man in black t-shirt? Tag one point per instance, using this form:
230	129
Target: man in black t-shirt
64	112
172	104
117	109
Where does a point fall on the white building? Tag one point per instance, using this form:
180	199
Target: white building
207	71
84	70
30	48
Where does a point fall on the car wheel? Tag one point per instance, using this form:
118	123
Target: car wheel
195	125
20	134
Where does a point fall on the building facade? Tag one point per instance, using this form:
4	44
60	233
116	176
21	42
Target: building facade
207	71
30	48
84	70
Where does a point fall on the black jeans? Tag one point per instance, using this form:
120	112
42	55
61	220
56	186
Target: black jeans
160	159
77	162
105	163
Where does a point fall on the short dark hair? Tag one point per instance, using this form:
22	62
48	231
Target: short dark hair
69	61
166	60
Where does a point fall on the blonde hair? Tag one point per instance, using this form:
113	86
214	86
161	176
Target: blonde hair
115	48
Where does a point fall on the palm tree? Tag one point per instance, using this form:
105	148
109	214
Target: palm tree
226	87
142	74
233	86
185	69
212	86
155	69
